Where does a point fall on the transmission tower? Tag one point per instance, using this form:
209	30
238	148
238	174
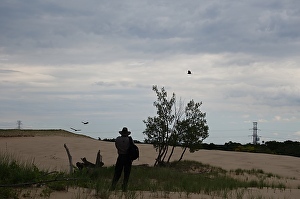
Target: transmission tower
19	123
254	135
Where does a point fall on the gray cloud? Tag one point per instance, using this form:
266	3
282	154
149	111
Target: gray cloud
8	71
61	60
58	32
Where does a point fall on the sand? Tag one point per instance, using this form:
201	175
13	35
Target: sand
48	152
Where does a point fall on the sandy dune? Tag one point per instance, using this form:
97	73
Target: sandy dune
49	153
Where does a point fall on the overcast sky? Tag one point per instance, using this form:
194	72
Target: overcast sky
64	62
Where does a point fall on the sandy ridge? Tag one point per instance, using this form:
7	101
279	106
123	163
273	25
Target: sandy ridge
48	152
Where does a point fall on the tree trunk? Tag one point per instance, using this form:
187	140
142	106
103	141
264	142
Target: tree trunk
161	155
158	159
172	151
182	154
166	148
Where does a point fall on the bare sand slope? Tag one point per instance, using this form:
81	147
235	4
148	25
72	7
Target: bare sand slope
49	152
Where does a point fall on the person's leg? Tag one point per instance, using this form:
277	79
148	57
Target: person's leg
127	170
117	173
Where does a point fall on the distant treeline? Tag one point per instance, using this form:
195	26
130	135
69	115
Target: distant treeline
290	148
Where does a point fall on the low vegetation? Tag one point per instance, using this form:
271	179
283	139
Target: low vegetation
290	148
185	177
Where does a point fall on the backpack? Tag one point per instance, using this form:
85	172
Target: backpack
133	150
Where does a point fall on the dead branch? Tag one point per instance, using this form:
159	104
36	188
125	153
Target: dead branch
70	158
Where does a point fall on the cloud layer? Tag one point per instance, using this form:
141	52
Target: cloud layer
63	62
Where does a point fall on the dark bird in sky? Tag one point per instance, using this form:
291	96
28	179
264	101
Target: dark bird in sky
85	122
189	72
75	129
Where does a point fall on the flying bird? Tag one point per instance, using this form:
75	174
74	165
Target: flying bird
85	122
189	72
75	129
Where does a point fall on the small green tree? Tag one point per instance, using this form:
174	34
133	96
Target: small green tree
192	128
158	129
174	126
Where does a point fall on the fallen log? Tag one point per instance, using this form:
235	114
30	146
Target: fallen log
87	164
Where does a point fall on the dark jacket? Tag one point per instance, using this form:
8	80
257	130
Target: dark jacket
122	144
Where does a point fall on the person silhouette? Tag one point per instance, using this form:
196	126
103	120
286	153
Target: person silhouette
123	162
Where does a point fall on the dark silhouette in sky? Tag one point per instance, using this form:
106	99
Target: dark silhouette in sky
75	129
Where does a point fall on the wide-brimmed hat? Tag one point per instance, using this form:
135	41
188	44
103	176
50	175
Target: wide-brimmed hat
124	131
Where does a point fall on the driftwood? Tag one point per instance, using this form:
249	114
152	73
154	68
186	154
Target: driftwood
87	164
70	158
